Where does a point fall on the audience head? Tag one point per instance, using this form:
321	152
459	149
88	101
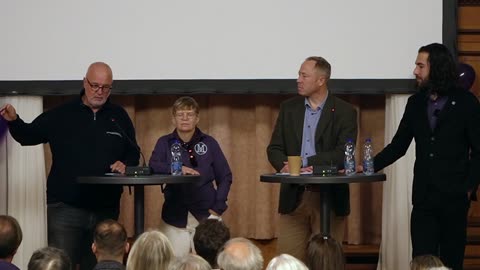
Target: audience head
190	262
10	237
210	236
324	253
425	262
151	251
240	254
286	262
49	258
110	241
435	69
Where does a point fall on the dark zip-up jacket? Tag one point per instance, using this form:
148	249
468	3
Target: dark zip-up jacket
83	143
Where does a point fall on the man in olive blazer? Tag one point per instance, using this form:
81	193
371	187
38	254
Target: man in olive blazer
319	143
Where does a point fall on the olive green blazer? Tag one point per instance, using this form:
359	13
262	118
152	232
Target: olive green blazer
338	122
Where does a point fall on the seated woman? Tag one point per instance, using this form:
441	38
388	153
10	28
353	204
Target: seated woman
324	253
151	251
187	204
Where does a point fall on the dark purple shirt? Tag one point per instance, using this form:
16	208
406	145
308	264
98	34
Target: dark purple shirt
434	107
199	197
4	265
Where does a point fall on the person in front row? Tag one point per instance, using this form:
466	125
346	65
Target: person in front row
186	205
240	254
110	244
50	258
315	126
88	136
10	239
444	120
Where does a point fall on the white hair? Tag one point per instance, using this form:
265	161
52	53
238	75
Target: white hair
244	255
190	262
286	262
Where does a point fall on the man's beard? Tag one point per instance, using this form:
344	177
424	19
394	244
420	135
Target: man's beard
425	86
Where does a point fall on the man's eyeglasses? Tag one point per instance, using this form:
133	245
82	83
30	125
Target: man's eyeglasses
188	115
96	87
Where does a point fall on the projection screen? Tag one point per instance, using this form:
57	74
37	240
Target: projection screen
217	44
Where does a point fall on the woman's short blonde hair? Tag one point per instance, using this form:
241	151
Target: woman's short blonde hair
151	251
185	103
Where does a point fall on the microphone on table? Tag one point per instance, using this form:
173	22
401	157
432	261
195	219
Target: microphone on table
133	170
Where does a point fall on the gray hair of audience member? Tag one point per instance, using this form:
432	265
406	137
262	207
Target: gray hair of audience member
49	258
110	238
190	262
10	236
240	254
324	253
151	251
210	236
425	262
286	262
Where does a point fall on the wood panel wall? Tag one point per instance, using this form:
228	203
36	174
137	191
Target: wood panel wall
469	53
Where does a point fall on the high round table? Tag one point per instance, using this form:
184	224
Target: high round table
139	182
322	184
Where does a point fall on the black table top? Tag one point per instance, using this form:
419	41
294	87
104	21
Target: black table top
155	179
320	179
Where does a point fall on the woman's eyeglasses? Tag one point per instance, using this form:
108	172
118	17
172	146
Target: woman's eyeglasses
188	115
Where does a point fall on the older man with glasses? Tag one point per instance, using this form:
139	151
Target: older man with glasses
87	136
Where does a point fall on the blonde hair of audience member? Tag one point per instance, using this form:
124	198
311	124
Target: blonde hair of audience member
240	254
425	262
190	262
325	253
286	262
49	258
151	251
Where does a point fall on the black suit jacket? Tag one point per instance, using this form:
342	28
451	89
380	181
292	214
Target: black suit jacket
337	123
448	157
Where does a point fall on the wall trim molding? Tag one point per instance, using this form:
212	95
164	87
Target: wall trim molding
162	87
469	2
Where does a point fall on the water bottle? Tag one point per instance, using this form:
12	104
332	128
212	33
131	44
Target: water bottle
368	167
176	165
349	161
